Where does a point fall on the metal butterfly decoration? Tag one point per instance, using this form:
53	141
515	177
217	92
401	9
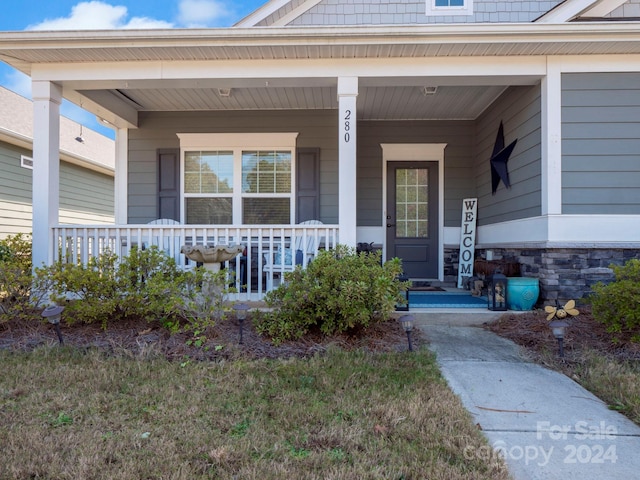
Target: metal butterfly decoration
562	312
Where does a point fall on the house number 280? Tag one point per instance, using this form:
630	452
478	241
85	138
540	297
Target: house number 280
347	126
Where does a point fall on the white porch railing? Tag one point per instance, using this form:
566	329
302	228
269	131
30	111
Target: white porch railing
78	243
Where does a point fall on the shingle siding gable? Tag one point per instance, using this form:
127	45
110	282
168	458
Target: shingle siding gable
277	15
389	12
630	9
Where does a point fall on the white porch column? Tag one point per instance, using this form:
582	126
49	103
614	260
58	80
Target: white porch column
47	97
551	108
121	177
347	93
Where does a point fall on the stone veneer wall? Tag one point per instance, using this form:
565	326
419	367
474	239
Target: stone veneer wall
564	273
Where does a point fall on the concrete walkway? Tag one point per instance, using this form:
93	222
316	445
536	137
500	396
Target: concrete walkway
545	424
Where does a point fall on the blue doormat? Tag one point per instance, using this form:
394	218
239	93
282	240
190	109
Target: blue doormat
445	300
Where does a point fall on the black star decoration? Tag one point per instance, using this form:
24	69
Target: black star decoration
499	159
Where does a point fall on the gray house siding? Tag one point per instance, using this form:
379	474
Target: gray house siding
519	110
386	12
86	196
15	191
600	143
458	162
316	128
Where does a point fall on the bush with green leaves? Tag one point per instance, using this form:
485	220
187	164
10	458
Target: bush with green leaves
617	305
195	297
145	284
340	290
19	297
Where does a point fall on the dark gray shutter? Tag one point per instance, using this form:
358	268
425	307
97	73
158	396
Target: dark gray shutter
169	183
308	184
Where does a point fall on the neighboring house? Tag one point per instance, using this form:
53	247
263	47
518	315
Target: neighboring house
86	169
376	117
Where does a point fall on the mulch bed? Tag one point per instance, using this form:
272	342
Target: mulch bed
531	330
139	338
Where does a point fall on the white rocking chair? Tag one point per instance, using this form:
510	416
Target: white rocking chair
304	249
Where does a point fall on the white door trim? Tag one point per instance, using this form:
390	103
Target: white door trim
425	152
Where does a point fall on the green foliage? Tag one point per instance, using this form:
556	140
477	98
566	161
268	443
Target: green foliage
339	291
617	305
146	284
92	288
18	295
195	297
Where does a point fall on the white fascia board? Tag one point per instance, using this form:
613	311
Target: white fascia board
15	138
317	35
599	63
261	13
364	67
563	231
96	71
92	75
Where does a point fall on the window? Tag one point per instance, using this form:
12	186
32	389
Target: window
449	3
26	162
233	179
208	187
266	172
449	7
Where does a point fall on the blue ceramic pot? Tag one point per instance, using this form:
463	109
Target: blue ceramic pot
522	293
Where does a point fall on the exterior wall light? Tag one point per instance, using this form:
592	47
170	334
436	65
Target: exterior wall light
558	328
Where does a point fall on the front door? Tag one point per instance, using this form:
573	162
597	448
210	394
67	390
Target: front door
412	217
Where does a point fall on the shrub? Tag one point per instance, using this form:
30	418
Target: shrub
196	297
338	291
145	284
617	305
19	297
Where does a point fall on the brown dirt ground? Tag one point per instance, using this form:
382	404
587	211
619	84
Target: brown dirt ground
531	331
139	338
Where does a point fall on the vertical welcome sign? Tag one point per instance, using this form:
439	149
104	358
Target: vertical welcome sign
467	239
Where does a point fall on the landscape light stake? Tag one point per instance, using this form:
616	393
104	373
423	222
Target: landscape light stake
407	324
558	328
241	315
53	313
557	322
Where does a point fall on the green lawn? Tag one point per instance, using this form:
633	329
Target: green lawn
67	414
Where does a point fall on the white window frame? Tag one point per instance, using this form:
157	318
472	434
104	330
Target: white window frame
26	162
238	143
433	11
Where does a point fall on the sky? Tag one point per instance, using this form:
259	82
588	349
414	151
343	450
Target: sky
18	15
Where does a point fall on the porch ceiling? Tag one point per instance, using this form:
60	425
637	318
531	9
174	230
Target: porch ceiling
374	103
